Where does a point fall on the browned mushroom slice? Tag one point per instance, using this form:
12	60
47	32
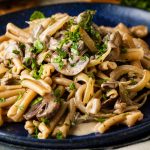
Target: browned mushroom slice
109	85
116	41
69	70
48	107
32	111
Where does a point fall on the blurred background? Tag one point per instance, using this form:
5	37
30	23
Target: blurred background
8	6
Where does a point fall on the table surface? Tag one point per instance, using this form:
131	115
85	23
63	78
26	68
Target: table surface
15	5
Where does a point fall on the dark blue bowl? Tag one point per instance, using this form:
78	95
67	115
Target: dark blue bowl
109	15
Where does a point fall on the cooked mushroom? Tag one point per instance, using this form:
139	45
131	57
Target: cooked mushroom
116	41
47	108
69	70
109	85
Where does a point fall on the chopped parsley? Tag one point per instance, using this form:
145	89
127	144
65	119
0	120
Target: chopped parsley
2	100
59	61
133	82
57	92
72	86
28	61
101	120
59	135
36	131
91	75
45	120
101	48
34	64
20	95
37	15
36	101
38	47
101	81
21	46
74	48
16	52
83	58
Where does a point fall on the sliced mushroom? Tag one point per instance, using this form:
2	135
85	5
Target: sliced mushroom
69	70
116	41
49	107
109	85
33	110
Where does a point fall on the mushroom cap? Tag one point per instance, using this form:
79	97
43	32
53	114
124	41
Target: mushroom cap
68	70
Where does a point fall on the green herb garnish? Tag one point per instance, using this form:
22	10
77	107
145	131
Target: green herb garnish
72	86
2	100
45	120
59	135
101	120
16	52
28	62
101	81
36	101
57	92
74	48
102	48
38	47
91	75
37	15
21	46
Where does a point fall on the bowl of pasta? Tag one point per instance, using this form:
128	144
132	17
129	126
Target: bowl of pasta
74	75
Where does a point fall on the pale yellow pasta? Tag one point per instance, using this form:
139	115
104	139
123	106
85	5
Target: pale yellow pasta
106	65
48	69
63	71
3	69
133	54
9	101
132	118
54	27
110	122
10	87
9	93
21	105
35	87
18	66
89	91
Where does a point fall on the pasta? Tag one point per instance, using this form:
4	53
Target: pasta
63	71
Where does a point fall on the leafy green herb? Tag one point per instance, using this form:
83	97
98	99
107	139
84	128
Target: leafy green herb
74	48
101	120
45	120
38	73
57	92
83	58
38	47
21	46
2	100
16	52
61	53
72	86
59	135
36	131
102	48
91	74
36	101
27	61
48	55
20	95
37	15
101	81
59	61
34	64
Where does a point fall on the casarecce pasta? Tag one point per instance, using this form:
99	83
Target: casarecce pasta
62	71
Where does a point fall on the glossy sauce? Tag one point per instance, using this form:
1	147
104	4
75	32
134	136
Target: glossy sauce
83	129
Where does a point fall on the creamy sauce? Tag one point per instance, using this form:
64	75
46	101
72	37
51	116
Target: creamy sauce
83	129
